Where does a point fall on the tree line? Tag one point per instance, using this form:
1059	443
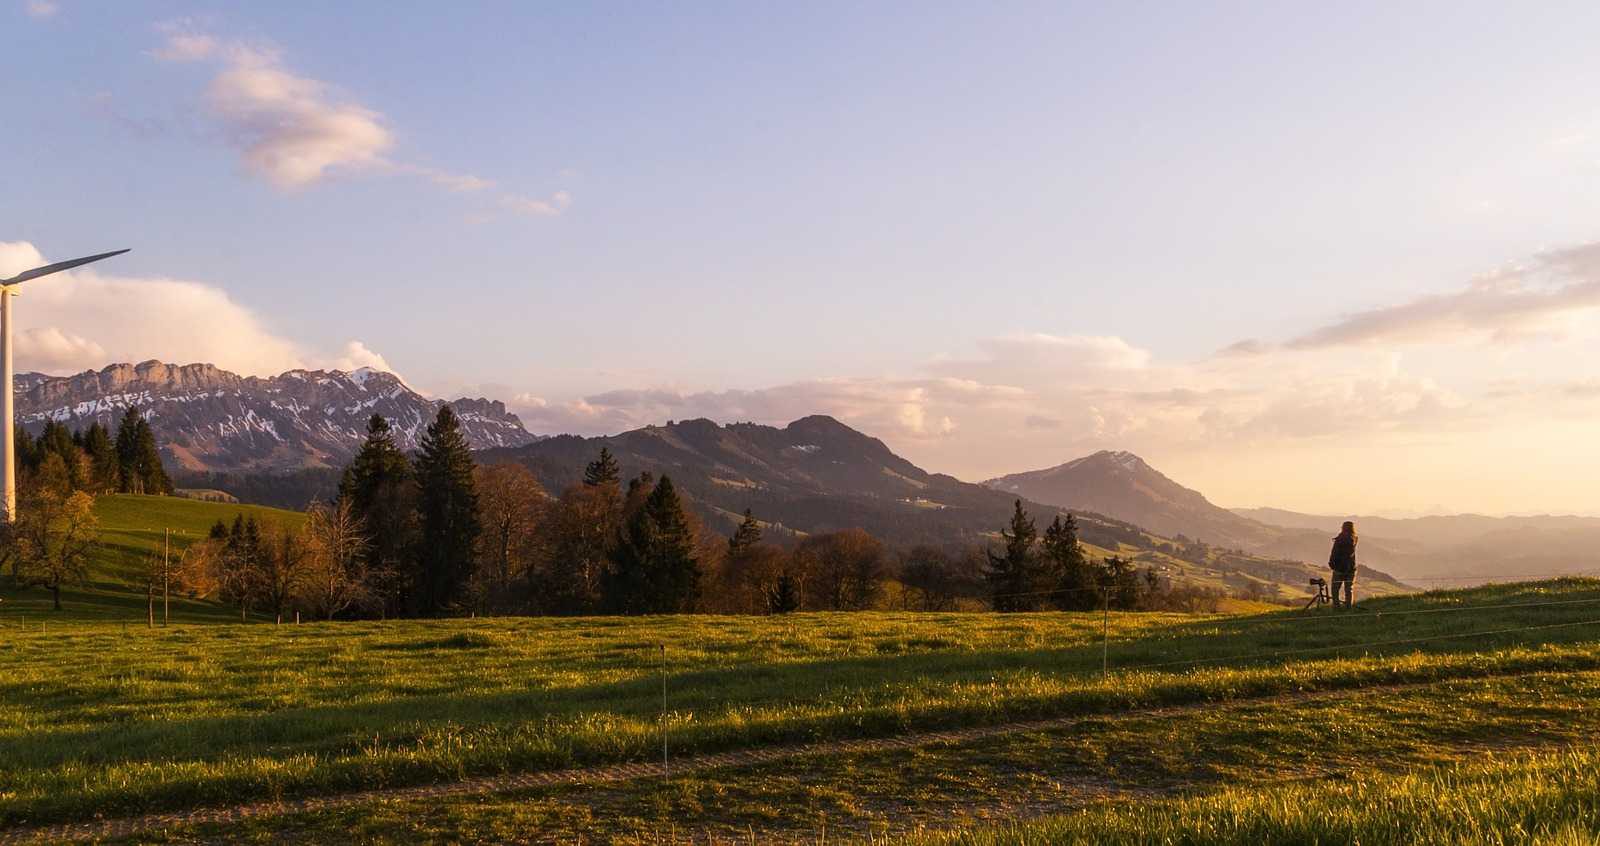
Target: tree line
1035	571
59	473
438	534
93	460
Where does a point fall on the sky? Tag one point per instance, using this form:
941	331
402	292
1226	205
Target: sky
1340	258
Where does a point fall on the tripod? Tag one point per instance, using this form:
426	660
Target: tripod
1322	598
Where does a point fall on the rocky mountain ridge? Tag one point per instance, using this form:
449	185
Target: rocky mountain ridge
207	419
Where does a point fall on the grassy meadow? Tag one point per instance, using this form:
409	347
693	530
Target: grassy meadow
1410	765
102	717
1551	799
95	720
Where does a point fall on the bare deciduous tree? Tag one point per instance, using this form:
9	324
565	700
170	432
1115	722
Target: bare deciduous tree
336	577
511	506
280	568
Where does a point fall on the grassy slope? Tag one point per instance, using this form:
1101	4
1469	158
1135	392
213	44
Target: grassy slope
208	714
132	528
1552	799
1114	767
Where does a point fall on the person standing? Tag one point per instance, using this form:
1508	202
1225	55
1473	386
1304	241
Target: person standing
1342	561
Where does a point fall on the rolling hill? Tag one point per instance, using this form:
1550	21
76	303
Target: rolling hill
132	528
818	475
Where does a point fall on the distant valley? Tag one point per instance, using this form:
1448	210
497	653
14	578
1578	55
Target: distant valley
1447	550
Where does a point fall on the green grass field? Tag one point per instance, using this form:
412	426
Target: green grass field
95	720
1483	689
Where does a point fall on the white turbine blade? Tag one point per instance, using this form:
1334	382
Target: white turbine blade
57	267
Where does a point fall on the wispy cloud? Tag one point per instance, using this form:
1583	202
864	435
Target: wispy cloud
41	9
1526	300
554	205
295	131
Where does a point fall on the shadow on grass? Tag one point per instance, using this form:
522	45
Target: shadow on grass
898	685
750	705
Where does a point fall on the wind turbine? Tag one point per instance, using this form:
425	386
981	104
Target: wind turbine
8	289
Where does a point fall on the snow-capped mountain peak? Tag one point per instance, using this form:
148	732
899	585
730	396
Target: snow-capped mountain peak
209	419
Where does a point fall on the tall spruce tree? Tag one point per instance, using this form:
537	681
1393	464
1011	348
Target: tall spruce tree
603	470
1068	570
105	471
746	536
378	485
1121	582
1013	575
27	450
138	458
153	474
654	569
784	596
447	511
129	480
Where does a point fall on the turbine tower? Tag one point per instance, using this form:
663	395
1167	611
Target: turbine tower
8	289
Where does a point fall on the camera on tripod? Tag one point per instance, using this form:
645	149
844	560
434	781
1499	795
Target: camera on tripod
1321	597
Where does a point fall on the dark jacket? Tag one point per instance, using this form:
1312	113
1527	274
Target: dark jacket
1343	558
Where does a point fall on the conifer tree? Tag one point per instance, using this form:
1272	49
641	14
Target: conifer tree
447	511
56	440
603	470
138	458
654	569
1068	570
27	450
1012	576
1121	583
237	579
784	597
105	471
154	475
746	536
129	479
378	485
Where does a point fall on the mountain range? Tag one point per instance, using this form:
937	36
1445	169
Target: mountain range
816	475
281	439
208	420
